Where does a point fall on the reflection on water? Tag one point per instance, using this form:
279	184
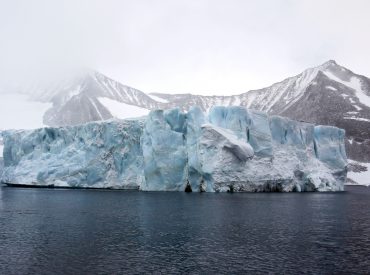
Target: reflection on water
91	231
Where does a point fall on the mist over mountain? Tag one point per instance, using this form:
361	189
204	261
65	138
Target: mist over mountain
328	94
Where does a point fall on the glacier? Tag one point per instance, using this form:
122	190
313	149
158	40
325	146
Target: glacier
228	149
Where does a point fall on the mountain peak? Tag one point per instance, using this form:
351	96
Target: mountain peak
328	64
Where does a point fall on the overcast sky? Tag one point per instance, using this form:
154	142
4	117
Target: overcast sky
200	46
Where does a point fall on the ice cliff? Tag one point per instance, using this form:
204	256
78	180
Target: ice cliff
227	149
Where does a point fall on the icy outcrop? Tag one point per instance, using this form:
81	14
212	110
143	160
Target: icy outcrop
96	155
164	151
329	146
228	149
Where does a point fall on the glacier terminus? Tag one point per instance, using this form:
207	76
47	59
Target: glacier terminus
227	149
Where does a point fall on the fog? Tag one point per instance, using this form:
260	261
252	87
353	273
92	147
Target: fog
203	46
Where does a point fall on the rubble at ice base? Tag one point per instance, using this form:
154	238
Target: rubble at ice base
227	149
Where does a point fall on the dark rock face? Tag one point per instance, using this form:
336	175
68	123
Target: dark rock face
355	167
359	151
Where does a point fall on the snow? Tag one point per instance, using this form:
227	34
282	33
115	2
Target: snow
96	108
157	98
364	98
331	88
236	101
357	118
18	112
305	79
358	108
362	178
122	110
290	90
355	84
230	148
73	92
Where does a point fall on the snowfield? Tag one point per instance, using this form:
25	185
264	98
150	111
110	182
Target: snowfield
157	98
360	177
18	112
355	84
122	110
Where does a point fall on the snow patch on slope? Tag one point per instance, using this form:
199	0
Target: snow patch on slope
74	92
362	178
157	98
18	112
299	84
122	110
96	108
358	108
355	84
357	118
331	88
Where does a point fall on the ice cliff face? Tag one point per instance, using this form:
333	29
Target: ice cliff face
227	149
92	155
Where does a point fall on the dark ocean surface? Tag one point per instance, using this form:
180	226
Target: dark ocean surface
58	231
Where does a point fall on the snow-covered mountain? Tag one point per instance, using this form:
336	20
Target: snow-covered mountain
86	97
93	97
328	94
